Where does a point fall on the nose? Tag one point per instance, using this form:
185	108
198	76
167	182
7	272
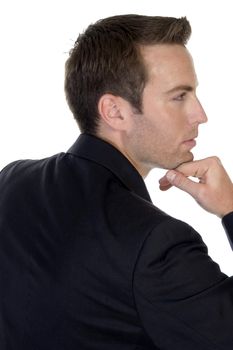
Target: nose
202	114
198	115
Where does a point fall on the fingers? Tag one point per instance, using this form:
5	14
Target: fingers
164	184
197	169
200	168
213	191
194	169
177	179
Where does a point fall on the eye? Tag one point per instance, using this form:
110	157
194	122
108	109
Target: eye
180	97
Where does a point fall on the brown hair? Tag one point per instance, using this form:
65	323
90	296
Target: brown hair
106	59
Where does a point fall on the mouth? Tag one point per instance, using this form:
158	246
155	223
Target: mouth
190	143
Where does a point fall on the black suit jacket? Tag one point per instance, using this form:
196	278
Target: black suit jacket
88	262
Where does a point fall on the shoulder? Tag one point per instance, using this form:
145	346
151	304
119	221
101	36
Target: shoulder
27	167
23	178
168	237
173	232
31	170
175	254
129	211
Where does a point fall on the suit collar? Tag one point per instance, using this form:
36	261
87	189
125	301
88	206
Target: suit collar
101	152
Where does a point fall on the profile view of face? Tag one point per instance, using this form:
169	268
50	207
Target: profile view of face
164	134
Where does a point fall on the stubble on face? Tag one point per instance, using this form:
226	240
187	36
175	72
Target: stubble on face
153	148
158	134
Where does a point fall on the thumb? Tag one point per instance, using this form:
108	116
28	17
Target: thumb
182	182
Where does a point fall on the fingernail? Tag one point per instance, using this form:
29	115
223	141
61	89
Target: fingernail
171	176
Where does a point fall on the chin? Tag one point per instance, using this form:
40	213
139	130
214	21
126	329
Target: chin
175	163
188	158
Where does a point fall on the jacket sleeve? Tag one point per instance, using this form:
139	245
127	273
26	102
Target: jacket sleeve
183	299
227	222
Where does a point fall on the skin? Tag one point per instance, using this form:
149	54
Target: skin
171	111
164	133
214	192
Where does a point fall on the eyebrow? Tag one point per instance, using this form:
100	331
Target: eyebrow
180	87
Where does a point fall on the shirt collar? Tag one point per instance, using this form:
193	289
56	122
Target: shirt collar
101	152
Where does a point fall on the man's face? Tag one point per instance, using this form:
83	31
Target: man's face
163	135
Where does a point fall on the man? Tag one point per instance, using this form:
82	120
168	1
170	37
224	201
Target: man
86	260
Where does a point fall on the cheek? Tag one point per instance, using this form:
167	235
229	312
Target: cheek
158	127
167	133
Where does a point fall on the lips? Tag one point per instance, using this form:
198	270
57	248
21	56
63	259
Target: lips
190	143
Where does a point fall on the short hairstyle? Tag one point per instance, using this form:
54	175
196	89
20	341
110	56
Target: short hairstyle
106	58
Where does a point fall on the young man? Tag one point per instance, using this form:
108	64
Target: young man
86	260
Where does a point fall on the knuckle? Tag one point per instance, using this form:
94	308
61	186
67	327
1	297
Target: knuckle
205	195
179	179
215	160
202	193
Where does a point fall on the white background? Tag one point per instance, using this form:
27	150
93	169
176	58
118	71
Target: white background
35	122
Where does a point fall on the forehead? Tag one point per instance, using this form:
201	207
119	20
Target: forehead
169	64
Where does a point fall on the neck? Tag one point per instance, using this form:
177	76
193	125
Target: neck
139	167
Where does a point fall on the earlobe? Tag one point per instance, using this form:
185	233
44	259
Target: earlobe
110	111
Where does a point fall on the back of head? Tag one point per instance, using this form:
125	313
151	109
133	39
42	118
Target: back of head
106	59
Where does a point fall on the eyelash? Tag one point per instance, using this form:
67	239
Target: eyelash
180	97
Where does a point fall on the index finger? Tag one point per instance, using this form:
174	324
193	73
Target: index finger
196	168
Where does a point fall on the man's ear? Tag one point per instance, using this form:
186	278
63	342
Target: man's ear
111	111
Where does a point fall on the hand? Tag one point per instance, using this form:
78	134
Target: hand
213	192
